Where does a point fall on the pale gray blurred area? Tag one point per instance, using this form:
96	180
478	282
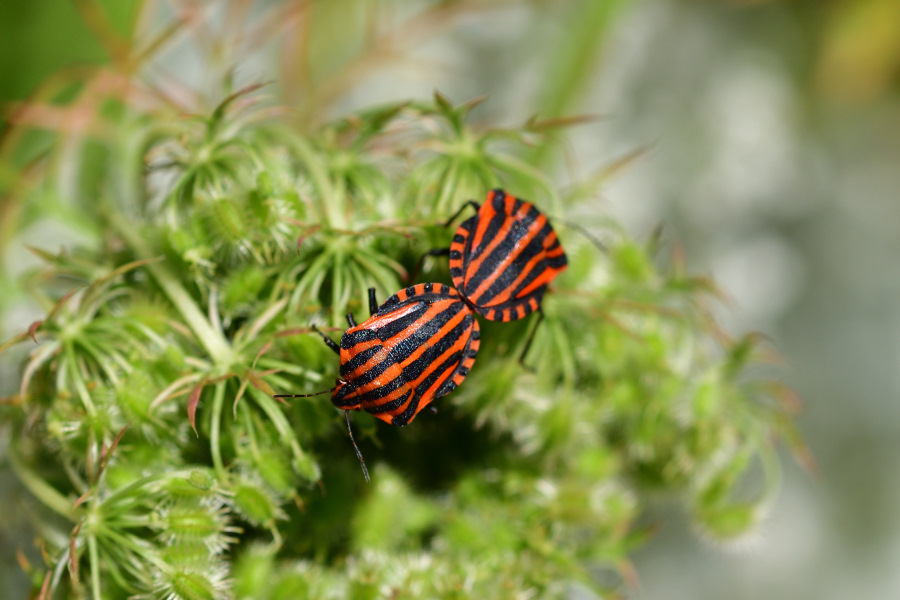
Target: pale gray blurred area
793	205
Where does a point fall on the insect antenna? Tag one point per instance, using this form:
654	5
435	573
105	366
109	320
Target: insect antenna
303	395
356	448
349	430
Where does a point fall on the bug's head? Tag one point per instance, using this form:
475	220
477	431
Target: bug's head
344	395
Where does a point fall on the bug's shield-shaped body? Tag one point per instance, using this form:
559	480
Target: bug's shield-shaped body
417	347
503	258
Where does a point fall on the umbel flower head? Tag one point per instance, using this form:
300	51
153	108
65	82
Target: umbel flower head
158	464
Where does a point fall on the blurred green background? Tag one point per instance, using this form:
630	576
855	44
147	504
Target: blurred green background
774	161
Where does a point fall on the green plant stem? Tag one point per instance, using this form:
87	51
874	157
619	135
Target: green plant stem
214	430
121	493
95	567
330	204
79	383
306	465
214	342
573	63
40	489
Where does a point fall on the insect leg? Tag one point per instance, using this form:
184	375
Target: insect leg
442	251
421	263
528	342
583	231
328	341
471	203
356	448
373	304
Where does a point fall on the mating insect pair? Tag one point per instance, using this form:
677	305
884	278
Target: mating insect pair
420	344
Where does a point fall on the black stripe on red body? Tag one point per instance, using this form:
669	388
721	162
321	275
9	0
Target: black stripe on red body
417	347
503	258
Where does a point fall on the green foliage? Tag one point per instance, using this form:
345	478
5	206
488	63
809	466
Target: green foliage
145	420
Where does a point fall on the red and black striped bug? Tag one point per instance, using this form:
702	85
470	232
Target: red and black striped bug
503	258
415	348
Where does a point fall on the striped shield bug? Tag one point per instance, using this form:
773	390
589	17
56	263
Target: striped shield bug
503	258
415	348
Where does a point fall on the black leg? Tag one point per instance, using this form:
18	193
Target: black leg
471	203
421	263
356	448
587	234
328	341
350	320
441	251
373	304
528	343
